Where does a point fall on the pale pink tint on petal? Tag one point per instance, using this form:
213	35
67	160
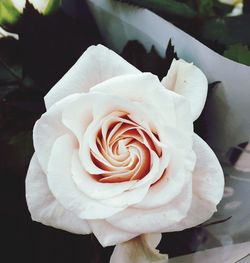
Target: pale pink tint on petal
91	187
48	128
174	179
208	177
109	235
97	64
45	208
208	186
63	188
154	219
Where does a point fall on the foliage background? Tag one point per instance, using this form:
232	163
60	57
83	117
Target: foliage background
209	22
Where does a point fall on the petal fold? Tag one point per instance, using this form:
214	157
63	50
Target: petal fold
63	187
208	186
109	235
189	81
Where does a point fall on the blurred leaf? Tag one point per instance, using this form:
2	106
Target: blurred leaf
228	30
8	13
205	7
171	7
239	53
52	6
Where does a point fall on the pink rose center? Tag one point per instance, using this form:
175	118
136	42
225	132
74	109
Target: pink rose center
125	151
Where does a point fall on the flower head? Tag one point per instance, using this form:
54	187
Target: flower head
115	151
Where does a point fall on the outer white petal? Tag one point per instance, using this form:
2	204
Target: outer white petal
155	219
97	64
45	208
146	90
173	182
109	235
139	250
63	188
188	80
208	186
48	128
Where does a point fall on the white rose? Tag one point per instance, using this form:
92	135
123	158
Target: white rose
116	155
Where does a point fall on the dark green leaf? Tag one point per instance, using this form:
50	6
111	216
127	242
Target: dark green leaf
136	54
239	53
228	30
205	7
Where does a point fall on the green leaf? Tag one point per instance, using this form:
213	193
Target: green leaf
52	6
171	7
205	7
227	30
239	53
8	13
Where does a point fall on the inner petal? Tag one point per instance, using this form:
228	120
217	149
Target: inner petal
124	149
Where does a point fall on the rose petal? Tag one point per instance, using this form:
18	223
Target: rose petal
48	128
173	181
63	188
44	207
138	190
208	173
109	235
138	250
97	64
188	80
208	185
154	220
93	188
157	103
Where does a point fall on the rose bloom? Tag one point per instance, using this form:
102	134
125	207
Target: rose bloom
116	155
